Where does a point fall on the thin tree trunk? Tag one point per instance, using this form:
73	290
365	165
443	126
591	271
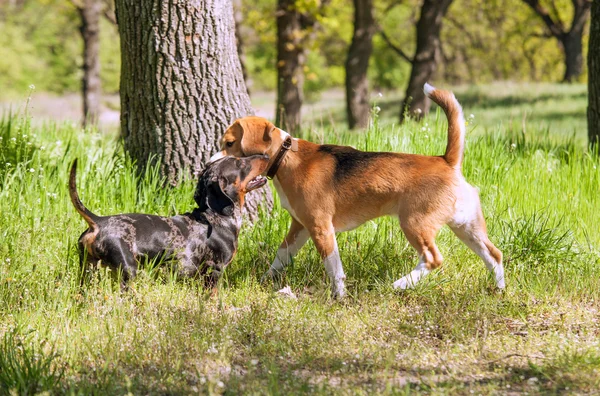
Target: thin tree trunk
357	64
570	40
90	12
593	111
238	17
573	48
290	63
426	57
181	82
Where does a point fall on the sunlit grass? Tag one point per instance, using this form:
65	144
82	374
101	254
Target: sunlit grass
453	333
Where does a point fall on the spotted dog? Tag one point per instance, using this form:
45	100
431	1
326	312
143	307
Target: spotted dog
329	189
202	242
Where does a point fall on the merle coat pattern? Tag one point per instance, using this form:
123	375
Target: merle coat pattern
202	242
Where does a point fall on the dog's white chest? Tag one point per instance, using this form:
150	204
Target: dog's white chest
283	198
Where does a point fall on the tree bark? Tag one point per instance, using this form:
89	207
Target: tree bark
593	111
357	64
570	41
90	12
181	82
573	48
290	63
426	57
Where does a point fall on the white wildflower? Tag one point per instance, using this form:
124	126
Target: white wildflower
32	87
31	170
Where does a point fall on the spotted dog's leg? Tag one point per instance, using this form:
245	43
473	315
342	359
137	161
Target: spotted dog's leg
122	258
295	239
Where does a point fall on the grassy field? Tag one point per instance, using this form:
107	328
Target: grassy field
453	334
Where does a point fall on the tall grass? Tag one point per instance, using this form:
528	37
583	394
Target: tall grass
453	333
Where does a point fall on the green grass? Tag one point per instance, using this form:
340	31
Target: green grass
452	334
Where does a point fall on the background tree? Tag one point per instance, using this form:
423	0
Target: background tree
426	58
569	40
357	64
90	12
593	111
181	82
238	17
296	23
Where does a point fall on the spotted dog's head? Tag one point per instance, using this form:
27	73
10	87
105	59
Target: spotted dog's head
224	183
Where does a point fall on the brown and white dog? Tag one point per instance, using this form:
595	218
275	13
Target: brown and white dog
328	189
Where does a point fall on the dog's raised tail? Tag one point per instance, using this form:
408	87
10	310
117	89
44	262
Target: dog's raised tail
456	124
88	216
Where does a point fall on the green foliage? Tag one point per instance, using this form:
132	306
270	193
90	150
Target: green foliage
26	369
110	57
42	46
16	147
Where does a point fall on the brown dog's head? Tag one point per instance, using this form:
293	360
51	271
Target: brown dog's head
249	136
224	183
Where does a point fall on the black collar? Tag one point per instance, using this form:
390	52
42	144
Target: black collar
285	147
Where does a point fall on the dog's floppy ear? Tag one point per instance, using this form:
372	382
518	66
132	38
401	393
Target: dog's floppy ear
210	194
255	132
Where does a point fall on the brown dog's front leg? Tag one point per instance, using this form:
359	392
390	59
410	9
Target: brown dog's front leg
295	239
326	244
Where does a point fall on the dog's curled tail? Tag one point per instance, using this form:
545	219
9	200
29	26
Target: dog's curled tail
88	216
456	124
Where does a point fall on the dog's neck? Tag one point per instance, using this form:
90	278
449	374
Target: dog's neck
293	159
212	218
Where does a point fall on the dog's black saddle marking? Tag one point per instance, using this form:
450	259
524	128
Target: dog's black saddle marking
350	161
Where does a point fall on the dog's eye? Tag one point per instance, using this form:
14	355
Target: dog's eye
229	144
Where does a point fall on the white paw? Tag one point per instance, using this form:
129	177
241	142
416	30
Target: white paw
339	290
404	283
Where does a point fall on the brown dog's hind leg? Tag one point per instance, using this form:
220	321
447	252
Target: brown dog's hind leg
324	238
474	235
469	225
430	257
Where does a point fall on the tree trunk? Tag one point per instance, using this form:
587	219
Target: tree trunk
426	57
290	61
90	12
573	48
357	64
593	111
569	40
238	17
181	82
